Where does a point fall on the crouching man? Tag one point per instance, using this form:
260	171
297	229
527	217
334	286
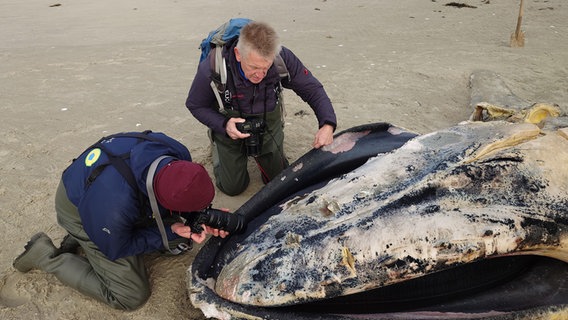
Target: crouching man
119	200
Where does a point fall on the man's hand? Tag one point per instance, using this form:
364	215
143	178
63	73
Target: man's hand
215	232
232	131
324	136
185	231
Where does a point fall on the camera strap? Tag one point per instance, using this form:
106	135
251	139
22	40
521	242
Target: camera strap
156	211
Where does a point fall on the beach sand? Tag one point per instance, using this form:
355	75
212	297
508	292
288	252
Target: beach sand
74	71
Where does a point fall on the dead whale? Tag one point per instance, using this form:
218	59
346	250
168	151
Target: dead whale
481	204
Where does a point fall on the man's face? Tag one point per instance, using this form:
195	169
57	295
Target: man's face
254	65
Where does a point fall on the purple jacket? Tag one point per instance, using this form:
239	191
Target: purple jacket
240	94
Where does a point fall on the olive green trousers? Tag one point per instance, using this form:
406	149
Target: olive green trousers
122	283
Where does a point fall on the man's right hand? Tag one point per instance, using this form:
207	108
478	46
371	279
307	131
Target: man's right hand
232	131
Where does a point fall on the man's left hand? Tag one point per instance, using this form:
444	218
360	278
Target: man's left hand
324	136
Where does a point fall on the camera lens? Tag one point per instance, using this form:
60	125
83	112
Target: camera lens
253	144
234	223
254	127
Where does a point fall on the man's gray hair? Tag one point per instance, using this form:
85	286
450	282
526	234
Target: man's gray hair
260	37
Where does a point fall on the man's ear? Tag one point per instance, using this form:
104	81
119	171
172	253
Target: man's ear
237	54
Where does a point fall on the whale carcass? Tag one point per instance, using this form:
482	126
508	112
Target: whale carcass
396	225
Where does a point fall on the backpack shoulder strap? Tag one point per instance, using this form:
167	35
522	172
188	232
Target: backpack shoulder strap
118	161
281	67
154	205
218	68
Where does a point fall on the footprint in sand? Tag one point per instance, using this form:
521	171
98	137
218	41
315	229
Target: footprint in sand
10	296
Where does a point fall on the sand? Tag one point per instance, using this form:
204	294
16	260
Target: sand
74	71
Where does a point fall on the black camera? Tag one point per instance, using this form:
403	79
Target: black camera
214	218
255	127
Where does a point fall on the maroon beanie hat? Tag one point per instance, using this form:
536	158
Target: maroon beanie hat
183	186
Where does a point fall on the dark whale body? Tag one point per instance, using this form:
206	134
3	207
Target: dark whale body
465	223
508	286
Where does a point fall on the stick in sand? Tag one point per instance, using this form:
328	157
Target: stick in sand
518	37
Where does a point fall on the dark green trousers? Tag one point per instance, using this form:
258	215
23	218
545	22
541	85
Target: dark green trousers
122	284
230	156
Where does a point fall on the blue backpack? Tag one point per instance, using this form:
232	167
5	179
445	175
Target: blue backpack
212	47
220	36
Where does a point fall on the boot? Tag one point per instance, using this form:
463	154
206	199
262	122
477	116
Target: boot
38	249
72	270
68	245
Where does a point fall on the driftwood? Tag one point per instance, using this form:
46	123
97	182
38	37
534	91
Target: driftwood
491	99
518	37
